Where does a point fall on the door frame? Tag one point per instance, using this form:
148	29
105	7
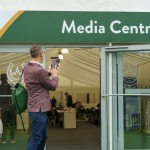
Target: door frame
108	140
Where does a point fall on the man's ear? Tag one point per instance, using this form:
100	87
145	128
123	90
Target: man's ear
40	54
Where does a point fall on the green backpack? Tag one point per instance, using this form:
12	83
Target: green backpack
20	98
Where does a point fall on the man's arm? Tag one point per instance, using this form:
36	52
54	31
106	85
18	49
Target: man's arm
49	84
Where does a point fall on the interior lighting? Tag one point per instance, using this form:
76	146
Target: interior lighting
64	50
60	54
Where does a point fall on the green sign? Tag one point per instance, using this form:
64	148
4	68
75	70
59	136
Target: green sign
78	27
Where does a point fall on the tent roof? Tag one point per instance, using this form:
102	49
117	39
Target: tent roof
80	67
77	5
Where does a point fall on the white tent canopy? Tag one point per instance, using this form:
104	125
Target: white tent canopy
80	66
77	5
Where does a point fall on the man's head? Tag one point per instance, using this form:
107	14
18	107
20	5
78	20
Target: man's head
37	53
66	94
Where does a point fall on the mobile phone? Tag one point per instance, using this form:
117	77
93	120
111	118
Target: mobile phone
54	64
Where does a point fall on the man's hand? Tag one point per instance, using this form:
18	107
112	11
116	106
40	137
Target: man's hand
54	71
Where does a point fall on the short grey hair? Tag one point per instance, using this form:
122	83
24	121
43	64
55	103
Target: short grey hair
35	50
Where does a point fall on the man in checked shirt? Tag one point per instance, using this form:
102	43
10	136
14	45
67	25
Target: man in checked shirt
38	83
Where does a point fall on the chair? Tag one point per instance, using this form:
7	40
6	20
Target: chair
82	113
91	114
87	112
51	118
57	117
97	118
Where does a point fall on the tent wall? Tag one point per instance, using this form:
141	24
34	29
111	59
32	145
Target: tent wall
78	94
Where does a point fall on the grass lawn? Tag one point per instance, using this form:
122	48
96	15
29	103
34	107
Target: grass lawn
21	141
136	140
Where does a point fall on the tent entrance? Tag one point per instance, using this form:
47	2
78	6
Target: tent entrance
79	75
125	97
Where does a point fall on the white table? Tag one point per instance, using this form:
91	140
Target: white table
69	118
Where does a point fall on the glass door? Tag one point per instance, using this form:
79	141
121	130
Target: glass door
125	98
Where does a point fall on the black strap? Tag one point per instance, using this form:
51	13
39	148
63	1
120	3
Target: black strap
22	122
21	75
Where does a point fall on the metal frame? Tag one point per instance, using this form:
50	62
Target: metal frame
109	101
25	49
104	72
112	96
19	49
120	113
104	112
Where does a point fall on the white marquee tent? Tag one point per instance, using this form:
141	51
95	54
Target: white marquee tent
80	67
77	5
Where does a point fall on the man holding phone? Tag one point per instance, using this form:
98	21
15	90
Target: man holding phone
38	85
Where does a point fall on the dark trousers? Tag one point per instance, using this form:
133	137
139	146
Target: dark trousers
8	117
38	132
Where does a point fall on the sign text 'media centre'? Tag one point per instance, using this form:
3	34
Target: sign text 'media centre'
116	27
